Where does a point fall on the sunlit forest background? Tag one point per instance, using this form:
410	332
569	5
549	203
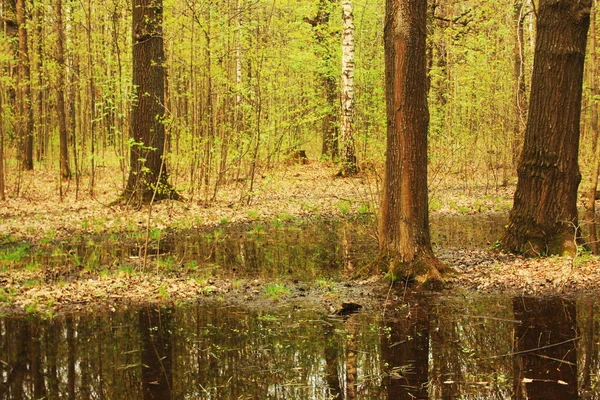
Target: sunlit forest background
247	83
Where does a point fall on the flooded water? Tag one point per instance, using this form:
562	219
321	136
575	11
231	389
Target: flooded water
466	346
479	347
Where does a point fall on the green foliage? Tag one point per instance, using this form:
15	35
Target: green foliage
344	207
14	254
276	290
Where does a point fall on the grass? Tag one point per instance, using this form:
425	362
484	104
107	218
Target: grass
167	263
324	283
257	230
253	214
163	293
14	254
435	205
6	295
344	207
276	290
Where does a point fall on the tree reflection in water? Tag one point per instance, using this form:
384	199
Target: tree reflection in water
473	346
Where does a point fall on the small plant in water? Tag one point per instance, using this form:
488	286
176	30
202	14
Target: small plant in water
14	254
324	283
257	230
268	317
276	290
33	267
32	308
285	217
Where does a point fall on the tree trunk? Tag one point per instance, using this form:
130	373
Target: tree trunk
520	116
544	215
404	224
24	75
2	122
349	165
593	84
65	171
148	178
324	51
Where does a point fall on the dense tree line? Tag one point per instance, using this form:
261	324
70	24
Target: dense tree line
250	82
211	92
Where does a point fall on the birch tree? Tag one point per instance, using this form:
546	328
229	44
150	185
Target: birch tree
349	165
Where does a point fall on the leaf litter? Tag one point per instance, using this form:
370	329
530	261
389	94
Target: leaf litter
297	191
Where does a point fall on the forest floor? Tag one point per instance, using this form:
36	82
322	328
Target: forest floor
39	216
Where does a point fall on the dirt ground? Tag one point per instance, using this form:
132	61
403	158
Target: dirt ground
39	214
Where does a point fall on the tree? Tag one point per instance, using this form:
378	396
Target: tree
543	219
349	166
404	237
24	75
324	50
148	178
593	126
65	171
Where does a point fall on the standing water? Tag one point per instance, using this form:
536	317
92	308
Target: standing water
465	345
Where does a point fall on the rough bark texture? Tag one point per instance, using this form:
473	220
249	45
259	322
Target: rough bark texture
520	86
593	84
24	76
148	177
404	224
65	171
349	165
543	219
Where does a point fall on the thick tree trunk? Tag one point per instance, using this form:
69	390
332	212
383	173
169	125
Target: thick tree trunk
404	224
349	165
544	215
148	178
65	171
24	75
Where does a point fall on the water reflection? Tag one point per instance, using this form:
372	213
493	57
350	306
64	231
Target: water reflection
549	326
301	250
480	347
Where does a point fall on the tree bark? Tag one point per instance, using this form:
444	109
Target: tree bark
24	75
349	164
405	242
593	84
148	178
520	116
543	219
65	171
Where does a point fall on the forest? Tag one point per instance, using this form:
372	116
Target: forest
249	83
212	103
307	199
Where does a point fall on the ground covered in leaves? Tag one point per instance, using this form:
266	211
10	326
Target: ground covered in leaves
39	216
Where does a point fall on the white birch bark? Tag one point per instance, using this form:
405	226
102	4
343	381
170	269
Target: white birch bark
347	96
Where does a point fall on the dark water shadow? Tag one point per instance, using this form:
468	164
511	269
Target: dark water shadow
492	347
